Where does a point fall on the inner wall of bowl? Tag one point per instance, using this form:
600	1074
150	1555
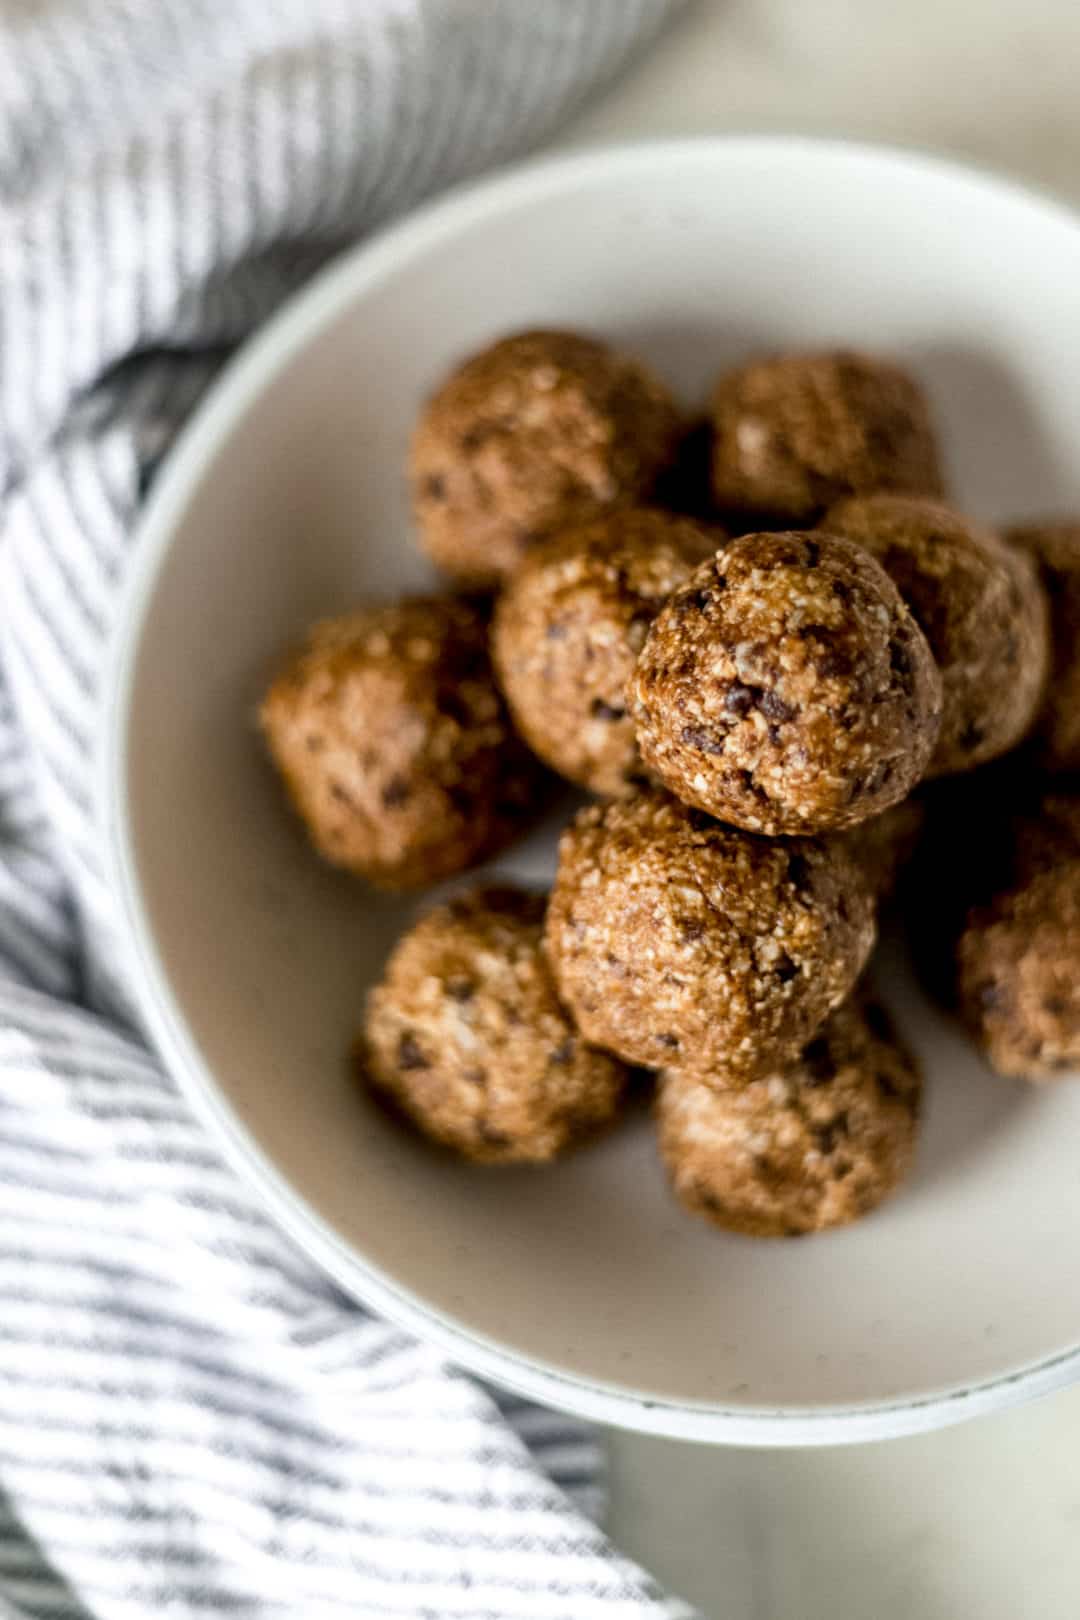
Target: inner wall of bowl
693	260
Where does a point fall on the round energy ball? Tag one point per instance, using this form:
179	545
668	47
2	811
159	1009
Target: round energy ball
466	1035
814	1145
795	433
786	688
1055	550
978	602
535	433
569	626
883	846
1018	986
394	744
678	942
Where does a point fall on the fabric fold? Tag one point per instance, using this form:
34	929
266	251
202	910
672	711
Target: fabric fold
192	1418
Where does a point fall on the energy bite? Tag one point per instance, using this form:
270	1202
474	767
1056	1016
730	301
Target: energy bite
786	688
569	626
1016	973
814	1145
678	942
535	433
1055	550
466	1035
982	610
394	744
796	433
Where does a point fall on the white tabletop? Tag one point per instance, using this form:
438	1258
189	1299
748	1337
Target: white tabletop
980	1522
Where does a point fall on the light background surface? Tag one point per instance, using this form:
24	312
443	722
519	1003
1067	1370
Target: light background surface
982	1520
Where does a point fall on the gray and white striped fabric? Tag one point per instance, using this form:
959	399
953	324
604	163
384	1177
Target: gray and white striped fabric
191	1419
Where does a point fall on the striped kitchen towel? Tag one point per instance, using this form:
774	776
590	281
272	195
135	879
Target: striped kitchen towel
192	1420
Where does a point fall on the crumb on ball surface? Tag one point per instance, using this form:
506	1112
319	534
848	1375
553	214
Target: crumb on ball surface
394	744
534	433
568	629
786	688
795	433
466	1035
1055	550
978	602
814	1145
678	942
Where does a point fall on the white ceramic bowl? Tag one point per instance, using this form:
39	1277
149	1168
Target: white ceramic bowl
583	1285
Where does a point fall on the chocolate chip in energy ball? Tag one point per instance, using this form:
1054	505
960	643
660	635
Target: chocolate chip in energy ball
465	1034
537	432
395	746
678	942
794	433
786	688
980	605
568	629
816	1144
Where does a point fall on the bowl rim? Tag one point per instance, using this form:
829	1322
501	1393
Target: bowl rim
301	317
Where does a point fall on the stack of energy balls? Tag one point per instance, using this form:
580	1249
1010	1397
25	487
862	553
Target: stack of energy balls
752	639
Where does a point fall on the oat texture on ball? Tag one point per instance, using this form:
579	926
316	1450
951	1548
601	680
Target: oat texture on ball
981	608
537	432
395	746
814	1145
678	942
786	688
568	629
466	1035
1055	550
795	433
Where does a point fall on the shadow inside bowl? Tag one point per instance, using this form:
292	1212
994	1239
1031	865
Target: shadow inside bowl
1004	451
